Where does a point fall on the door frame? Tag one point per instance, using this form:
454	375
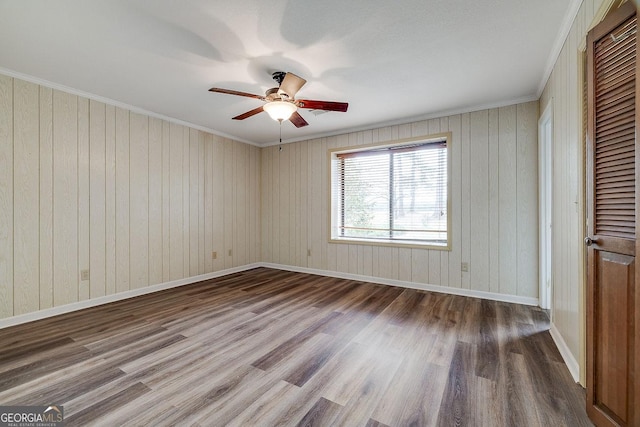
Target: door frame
545	205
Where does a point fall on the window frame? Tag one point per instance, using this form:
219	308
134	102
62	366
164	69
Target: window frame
334	208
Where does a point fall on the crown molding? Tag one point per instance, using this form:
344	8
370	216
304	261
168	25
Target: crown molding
561	37
118	104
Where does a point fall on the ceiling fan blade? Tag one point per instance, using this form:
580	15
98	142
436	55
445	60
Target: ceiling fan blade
297	120
291	84
249	113
235	92
322	105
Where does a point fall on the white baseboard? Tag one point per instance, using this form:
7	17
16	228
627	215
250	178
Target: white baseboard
567	356
411	285
80	305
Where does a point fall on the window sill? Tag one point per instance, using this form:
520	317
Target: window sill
391	243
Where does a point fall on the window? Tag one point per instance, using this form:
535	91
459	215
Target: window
392	194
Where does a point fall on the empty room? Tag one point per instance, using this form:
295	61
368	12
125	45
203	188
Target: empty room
337	213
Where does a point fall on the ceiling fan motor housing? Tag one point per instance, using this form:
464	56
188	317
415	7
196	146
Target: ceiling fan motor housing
272	94
280	102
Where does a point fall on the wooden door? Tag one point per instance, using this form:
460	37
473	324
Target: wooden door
612	192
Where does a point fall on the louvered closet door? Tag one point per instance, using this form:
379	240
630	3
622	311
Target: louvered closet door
612	202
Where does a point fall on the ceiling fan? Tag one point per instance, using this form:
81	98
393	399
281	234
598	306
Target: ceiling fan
280	102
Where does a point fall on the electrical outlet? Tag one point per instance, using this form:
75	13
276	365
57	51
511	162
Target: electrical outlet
214	255
464	266
84	275
308	252
230	252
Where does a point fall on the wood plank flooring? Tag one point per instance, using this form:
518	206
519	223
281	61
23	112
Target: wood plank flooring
267	347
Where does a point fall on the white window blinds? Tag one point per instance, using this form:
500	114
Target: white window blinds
394	193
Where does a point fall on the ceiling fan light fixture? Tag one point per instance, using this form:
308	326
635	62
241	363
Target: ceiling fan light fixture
280	110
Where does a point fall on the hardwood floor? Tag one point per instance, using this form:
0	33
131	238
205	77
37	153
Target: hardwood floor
268	347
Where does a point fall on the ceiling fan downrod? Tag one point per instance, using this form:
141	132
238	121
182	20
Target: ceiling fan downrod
278	76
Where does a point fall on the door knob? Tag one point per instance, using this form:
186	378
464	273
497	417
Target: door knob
588	241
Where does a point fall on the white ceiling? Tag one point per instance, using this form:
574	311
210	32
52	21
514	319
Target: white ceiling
393	61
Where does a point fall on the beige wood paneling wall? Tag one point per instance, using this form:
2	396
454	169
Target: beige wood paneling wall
563	89
136	200
494	206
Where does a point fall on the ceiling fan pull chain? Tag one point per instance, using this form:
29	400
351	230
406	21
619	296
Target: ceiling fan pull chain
280	102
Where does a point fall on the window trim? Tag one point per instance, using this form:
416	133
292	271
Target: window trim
334	213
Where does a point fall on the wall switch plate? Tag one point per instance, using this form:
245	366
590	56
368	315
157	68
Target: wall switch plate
84	275
464	266
214	255
308	252
230	252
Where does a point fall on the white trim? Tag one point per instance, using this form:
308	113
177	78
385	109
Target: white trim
565	352
80	305
561	37
370	126
545	208
109	101
411	285
54	311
